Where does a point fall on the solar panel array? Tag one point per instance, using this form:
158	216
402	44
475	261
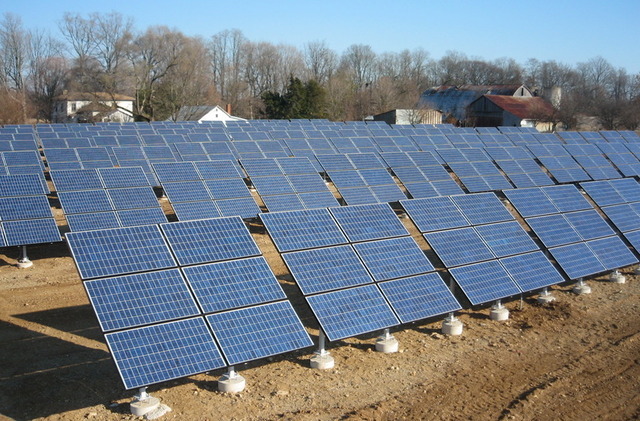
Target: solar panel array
181	298
206	189
577	236
345	260
482	245
25	215
100	198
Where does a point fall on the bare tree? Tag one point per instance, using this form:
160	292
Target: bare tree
48	69
14	44
360	60
321	61
226	49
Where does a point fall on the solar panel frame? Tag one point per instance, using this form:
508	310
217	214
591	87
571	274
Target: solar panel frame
139	299
119	251
419	297
257	332
167	351
351	312
484	282
209	240
233	284
325	269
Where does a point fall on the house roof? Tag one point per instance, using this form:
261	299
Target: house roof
523	107
199	112
454	100
93	96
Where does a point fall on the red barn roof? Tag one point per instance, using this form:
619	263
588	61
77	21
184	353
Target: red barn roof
523	107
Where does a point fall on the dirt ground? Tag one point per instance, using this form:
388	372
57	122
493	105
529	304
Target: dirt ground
576	359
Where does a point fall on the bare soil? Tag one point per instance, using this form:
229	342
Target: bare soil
576	359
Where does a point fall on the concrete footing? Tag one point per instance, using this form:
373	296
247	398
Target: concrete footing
387	344
581	289
231	383
499	313
322	361
452	327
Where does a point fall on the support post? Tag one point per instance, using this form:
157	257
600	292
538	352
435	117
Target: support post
24	261
617	277
143	403
545	297
321	359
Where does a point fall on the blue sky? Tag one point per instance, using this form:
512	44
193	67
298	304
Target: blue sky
566	31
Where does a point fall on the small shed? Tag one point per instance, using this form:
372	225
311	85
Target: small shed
202	113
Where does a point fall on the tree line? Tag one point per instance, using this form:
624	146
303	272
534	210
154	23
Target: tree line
164	69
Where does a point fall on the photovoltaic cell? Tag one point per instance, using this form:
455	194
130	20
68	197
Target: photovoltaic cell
147	216
419	297
21	185
186	211
531	202
358	196
326	269
233	283
633	237
623	216
566	198
93	221
532	271
162	352
297	230
369	222
553	230
244	207
458	247
589	224
506	238
577	260
482	208
315	200
393	258
71	180
612	252
139	299
119	177
209	240
119	251
24	207
227	188
484	282
133	198
85	201
283	202
257	332
433	214
352	312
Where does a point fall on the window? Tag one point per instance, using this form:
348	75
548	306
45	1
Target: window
73	106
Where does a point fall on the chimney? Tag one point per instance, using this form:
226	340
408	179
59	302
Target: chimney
228	109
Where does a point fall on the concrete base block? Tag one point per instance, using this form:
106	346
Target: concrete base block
234	384
581	289
23	264
322	361
499	314
387	345
545	299
452	327
618	278
142	407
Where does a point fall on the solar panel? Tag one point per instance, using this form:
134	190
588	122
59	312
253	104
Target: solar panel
162	352
186	211
283	202
168	172
261	167
458	247
24	207
369	222
133	198
346	179
144	298
209	240
119	251
482	208
433	214
244	207
85	201
272	185
633	237
553	230
326	269
628	188
532	271
506	238
186	191
358	196
21	185
211	170
123	177
388	193
352	312
297	230
71	180
227	188
257	332
302	183
612	252
31	231
146	216
393	258
314	200
233	283
566	198
588	224
484	282
530	202
577	260
419	297
623	216
93	221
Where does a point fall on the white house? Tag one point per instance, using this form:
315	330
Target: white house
202	113
85	107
